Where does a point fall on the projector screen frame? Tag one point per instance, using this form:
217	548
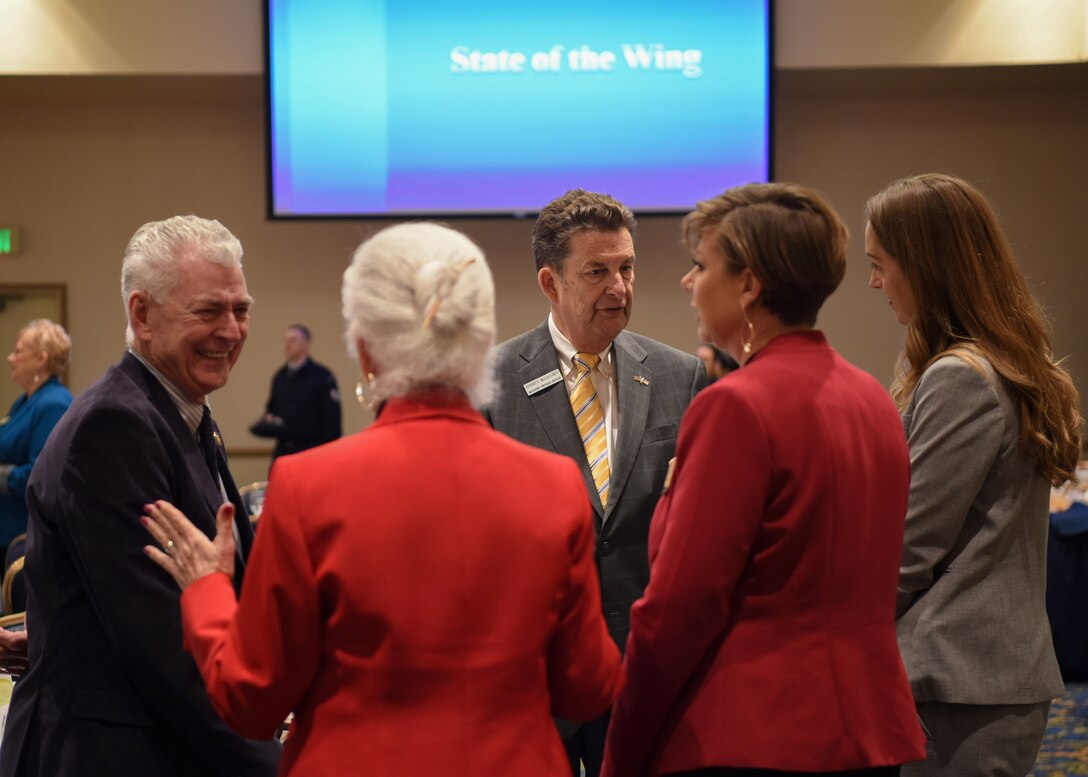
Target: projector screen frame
507	214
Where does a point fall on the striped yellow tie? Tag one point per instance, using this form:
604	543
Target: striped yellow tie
590	420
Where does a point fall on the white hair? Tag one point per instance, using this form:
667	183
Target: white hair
421	296
152	256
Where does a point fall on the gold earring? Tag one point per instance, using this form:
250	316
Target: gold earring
746	345
361	391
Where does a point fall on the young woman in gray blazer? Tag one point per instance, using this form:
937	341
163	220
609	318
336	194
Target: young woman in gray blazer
992	421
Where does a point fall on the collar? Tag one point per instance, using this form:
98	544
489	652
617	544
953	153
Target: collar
428	403
293	368
25	400
50	380
566	352
191	412
800	340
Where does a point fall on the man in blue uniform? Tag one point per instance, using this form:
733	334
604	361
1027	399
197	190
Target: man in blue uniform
303	409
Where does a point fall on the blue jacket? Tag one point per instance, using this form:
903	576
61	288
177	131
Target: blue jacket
23	433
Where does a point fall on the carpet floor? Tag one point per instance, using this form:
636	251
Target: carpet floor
1065	748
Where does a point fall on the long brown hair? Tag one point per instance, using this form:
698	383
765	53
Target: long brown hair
971	300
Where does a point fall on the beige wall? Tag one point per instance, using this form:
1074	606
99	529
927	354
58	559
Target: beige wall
925	33
167	37
85	159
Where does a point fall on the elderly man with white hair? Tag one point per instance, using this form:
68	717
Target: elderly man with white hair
110	691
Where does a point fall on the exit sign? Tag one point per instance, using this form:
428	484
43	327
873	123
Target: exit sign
9	241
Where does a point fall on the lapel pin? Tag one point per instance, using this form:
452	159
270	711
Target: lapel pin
218	439
641	379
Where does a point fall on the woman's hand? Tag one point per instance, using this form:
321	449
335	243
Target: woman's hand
187	554
13	652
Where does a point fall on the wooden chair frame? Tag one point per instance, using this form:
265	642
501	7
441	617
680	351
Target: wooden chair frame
12	572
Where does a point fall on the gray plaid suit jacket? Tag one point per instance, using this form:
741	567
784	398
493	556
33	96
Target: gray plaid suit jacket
971	607
649	419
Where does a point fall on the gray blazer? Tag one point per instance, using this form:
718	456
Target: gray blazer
649	413
971	606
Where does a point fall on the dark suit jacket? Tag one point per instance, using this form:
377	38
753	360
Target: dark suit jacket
110	690
308	402
766	638
649	418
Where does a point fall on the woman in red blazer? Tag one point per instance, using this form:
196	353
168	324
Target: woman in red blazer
765	642
422	595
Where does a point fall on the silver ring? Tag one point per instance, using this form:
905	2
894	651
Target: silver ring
169	546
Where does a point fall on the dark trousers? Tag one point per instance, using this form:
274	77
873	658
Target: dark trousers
585	747
723	771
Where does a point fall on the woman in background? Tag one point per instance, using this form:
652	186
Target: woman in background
423	594
992	421
765	641
37	361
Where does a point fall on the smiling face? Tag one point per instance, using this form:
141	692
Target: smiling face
592	294
717	296
26	363
196	334
887	275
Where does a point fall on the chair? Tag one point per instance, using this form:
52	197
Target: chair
14	587
16	621
253	499
16	548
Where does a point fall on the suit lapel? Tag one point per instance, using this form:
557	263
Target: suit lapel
634	382
552	406
190	448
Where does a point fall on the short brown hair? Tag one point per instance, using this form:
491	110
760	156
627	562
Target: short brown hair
789	236
575	211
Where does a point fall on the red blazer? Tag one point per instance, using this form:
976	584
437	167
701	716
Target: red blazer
766	638
422	595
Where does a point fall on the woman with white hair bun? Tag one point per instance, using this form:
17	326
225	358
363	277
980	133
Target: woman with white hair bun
422	594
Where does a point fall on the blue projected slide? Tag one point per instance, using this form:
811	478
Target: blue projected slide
480	107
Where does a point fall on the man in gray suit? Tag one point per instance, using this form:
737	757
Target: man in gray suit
630	393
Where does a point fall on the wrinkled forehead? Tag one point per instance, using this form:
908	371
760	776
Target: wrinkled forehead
199	281
593	246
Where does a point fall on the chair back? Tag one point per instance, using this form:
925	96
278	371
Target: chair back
16	549
13	589
16	621
253	499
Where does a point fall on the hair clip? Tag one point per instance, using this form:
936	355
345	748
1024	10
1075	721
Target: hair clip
444	289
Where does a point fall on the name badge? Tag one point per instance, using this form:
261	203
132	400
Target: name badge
539	384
